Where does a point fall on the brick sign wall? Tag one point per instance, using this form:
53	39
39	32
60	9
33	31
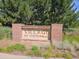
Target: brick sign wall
37	34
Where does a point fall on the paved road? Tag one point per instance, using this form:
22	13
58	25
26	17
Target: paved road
8	56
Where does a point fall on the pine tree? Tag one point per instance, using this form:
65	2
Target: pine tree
38	12
17	11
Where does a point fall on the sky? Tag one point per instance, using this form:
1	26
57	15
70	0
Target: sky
76	5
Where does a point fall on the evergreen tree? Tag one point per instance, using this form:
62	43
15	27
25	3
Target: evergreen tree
38	12
14	11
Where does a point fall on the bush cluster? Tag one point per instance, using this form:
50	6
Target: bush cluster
11	48
35	51
5	33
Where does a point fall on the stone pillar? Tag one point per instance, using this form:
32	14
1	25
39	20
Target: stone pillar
16	32
56	33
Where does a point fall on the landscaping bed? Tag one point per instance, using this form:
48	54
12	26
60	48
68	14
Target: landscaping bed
19	49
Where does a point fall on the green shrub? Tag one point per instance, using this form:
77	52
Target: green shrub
3	50
36	51
19	47
68	56
29	52
58	55
16	47
10	49
48	53
5	33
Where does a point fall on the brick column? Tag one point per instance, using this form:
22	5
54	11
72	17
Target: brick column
16	32
56	33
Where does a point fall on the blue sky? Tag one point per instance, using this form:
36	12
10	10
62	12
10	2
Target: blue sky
76	5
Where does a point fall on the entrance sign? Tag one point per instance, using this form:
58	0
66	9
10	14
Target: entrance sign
34	35
37	35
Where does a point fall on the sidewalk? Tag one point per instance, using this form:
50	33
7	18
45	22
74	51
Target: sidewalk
8	56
